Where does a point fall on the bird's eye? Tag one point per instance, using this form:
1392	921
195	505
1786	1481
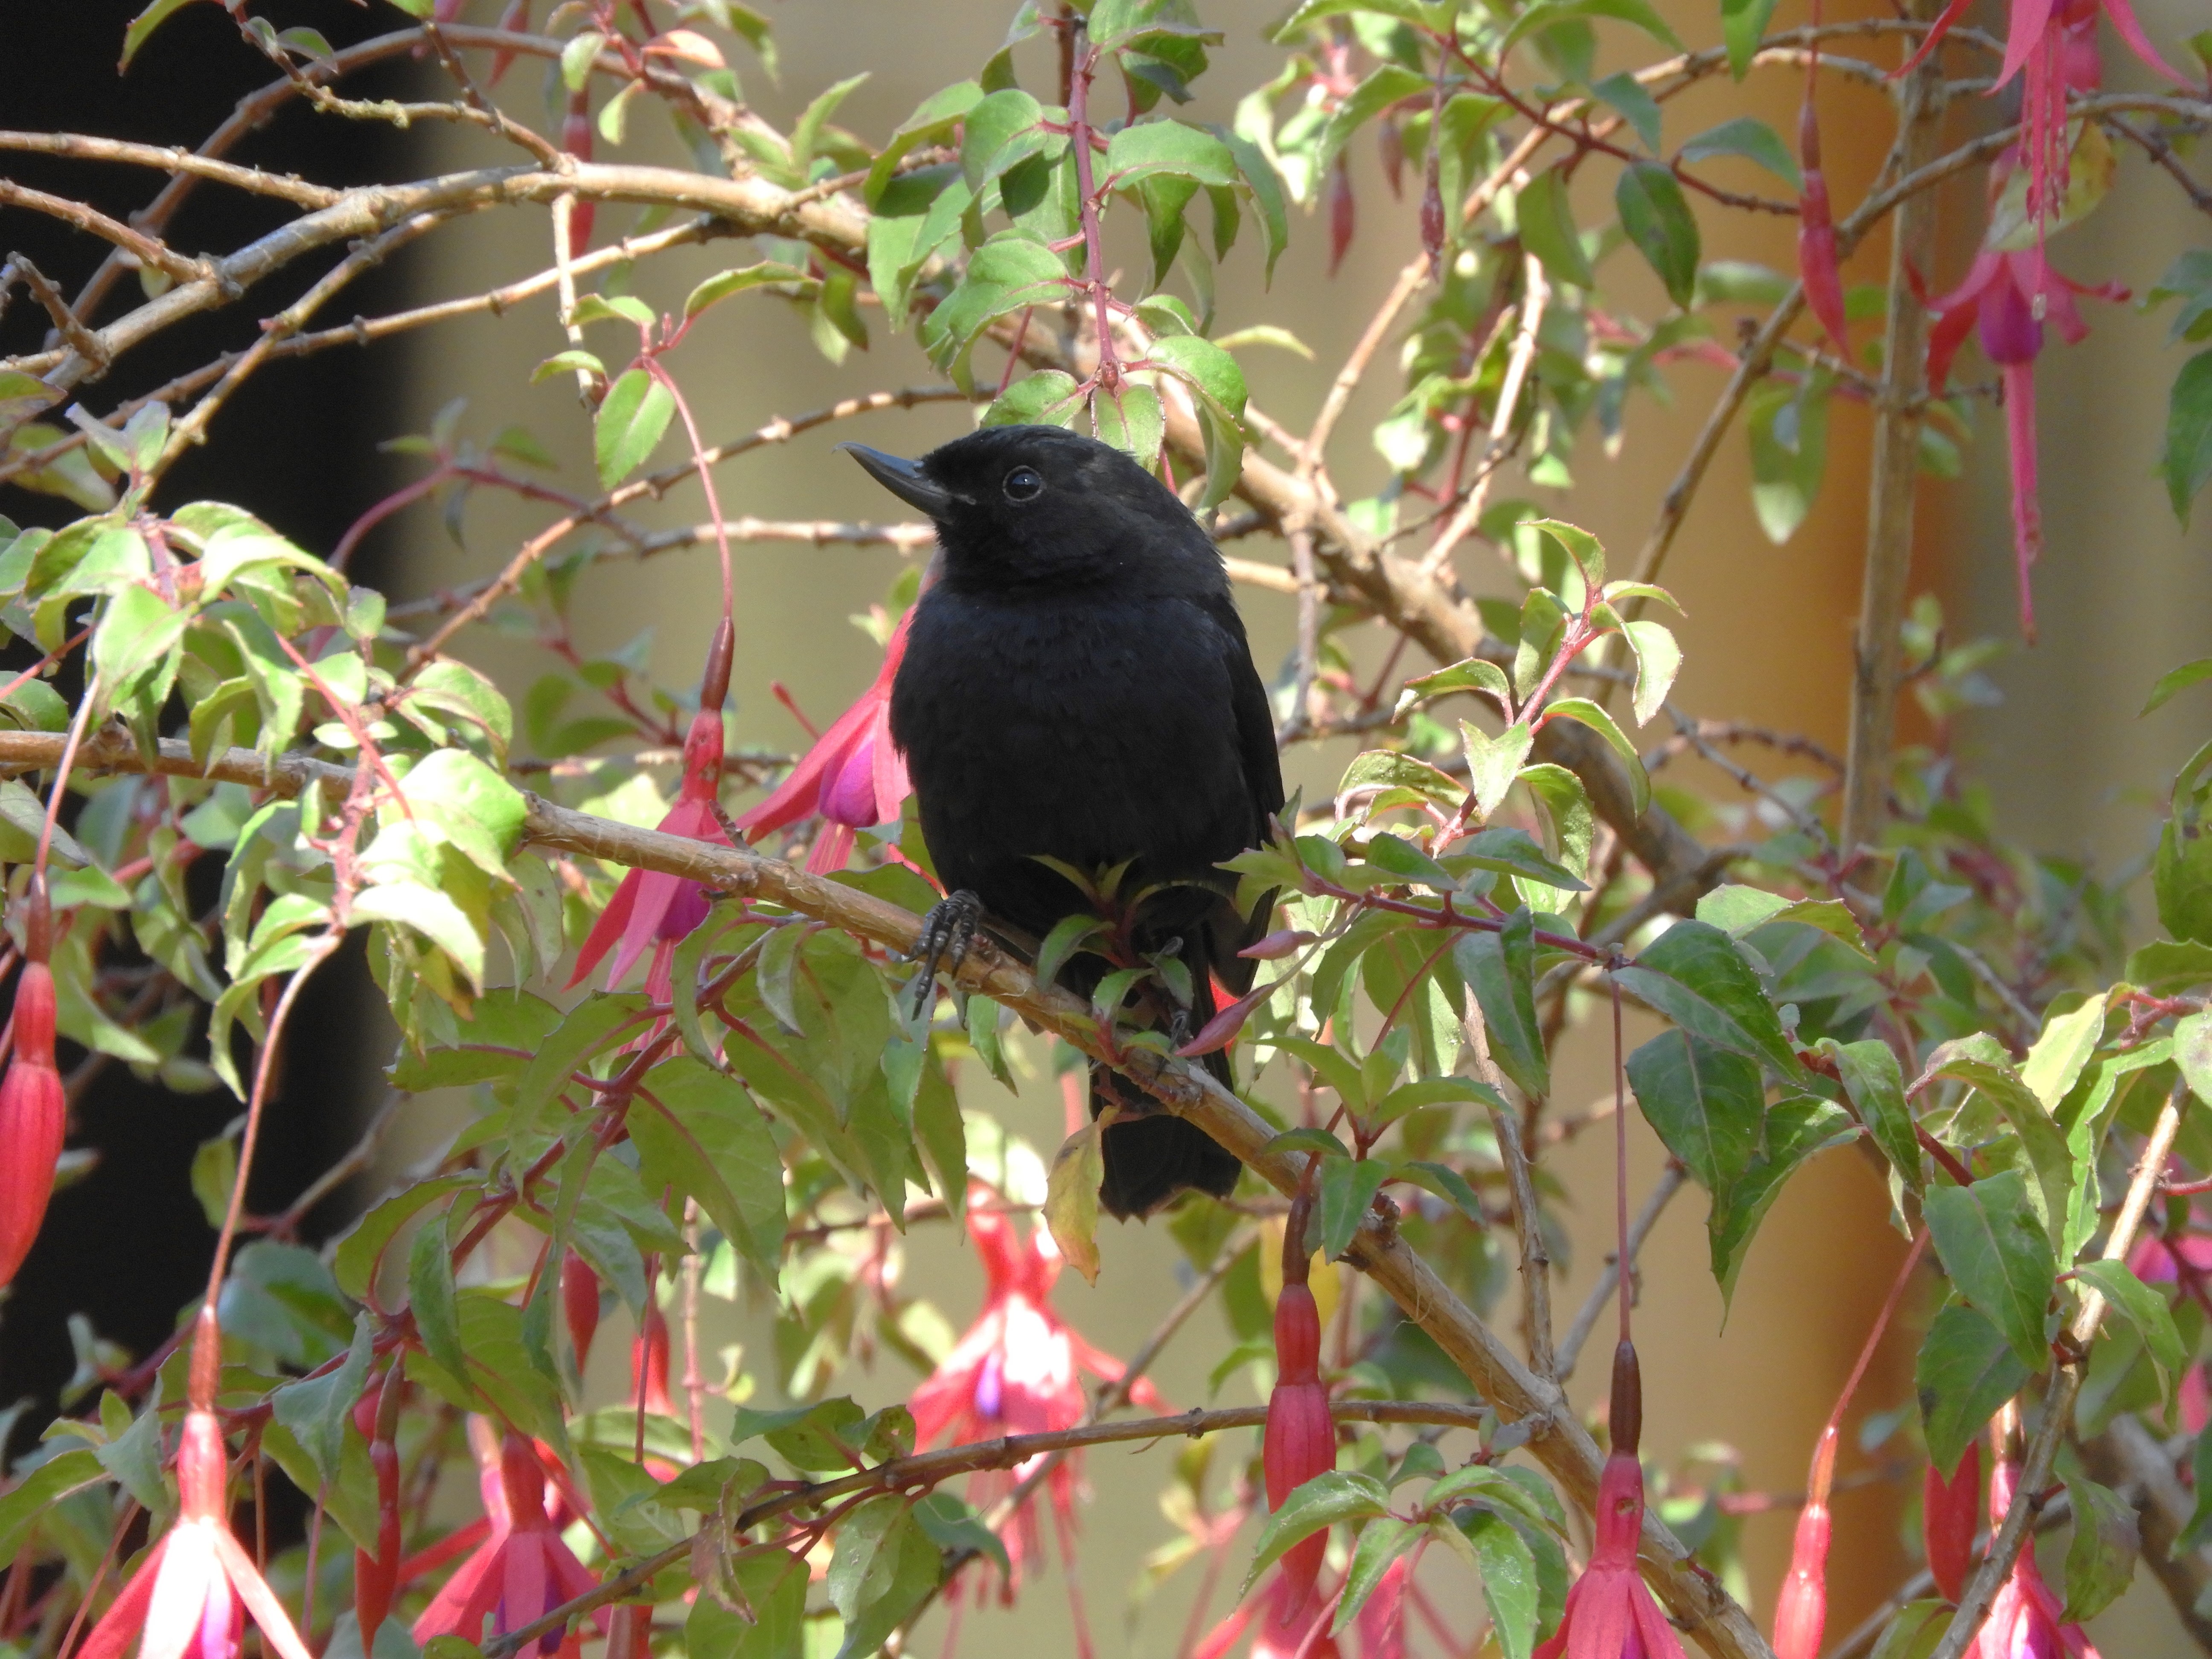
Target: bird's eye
1022	484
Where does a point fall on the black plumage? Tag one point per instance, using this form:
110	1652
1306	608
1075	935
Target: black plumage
1077	684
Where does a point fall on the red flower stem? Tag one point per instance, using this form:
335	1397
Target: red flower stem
265	1066
47	661
92	1591
61	788
1619	1158
1880	1325
1085	65
706	483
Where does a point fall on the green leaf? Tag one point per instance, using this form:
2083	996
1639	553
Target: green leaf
952	1526
1211	372
1468	674
1009	271
1394	856
38	1490
1625	96
434	1301
1547	230
1993	1246
635	412
1509	1579
1796	1130
353	1264
997	133
1132	420
1167	147
431	913
1549	14
137	633
698	1131
1743	26
724	284
2193	1051
1787	428
884	1569
1500	969
1584	712
2176	680
2101	1561
316	1408
1327	1498
806	132
144	24
1384	87
1381	1541
1657	219
1347	1189
2054	1065
1707	1104
1965	1370
1872	1079
1509	852
590	1026
1749	136
1693	974
1046	398
1266	186
1979	1059
1446	1183
2144	1309
1493	763
1658	659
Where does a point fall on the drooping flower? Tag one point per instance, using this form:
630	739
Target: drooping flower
649	908
853	778
1610	1614
2054	43
522	1569
2024	1621
1817	267
579	1305
376	1575
191	1596
1016	1371
1287	1615
32	1112
1949	1510
2010	295
1299	1441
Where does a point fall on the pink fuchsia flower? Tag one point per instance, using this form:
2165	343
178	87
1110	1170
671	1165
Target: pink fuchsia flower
1016	1371
1610	1614
2054	42
649	908
2010	295
853	778
2024	1621
33	1111
191	1596
1381	1622
2159	1260
522	1569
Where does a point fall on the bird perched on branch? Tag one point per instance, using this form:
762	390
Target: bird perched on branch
1077	697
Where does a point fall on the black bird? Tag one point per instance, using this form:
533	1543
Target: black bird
1078	685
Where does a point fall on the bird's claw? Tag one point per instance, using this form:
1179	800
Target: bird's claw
947	933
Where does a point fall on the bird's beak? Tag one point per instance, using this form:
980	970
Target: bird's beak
905	479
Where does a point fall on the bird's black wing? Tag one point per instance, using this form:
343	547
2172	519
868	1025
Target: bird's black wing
1263	777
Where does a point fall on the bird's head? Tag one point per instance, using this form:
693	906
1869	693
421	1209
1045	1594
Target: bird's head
1031	506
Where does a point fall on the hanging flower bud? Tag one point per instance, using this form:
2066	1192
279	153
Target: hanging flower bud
33	1112
1300	1439
1390	144
375	1577
515	20
1342	214
1801	1611
1432	214
1817	267
576	139
1948	1512
579	1305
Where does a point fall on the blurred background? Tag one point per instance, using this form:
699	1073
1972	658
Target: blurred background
2123	595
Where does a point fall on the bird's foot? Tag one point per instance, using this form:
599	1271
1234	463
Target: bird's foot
947	932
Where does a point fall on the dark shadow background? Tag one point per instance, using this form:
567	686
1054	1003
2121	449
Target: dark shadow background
127	1246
